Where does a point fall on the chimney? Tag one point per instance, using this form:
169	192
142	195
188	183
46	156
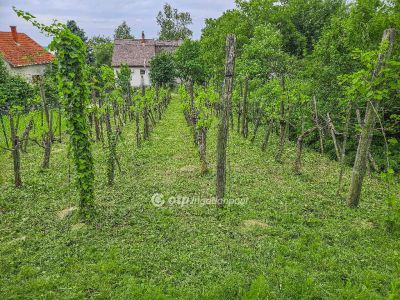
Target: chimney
14	33
142	37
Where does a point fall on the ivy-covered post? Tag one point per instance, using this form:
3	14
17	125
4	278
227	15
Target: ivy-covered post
72	83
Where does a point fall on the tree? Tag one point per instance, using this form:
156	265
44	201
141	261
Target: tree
162	69
173	24
205	99
123	31
214	35
264	58
73	27
100	49
190	68
15	94
109	95
124	77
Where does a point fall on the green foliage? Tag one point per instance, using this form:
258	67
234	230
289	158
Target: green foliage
15	94
263	55
124	77
123	31
162	69
293	239
100	50
75	29
173	24
360	86
184	98
3	70
205	98
189	62
73	88
213	39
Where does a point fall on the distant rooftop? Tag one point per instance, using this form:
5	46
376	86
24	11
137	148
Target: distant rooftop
139	52
19	50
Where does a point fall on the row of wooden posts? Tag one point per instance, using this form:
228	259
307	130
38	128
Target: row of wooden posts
363	150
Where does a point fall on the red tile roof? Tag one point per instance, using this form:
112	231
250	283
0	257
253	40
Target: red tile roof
24	53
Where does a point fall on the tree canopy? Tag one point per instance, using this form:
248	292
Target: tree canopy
123	31
173	24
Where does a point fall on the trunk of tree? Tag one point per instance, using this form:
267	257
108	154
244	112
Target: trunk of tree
316	120
137	121
48	136
364	143
282	125
153	119
95	117
333	135
299	148
202	149
59	124
3	127
245	123
25	135
344	145
268	131
370	161
193	113
191	95
47	151
15	152
146	130
231	118
239	114
111	151
256	125
101	121
47	141
223	122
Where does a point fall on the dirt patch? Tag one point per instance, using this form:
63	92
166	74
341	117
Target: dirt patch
255	223
188	169
78	226
65	213
364	224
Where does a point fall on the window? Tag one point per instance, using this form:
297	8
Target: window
142	71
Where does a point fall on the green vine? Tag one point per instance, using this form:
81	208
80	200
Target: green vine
73	89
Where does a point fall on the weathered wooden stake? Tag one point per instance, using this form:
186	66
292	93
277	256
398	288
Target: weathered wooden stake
316	120
344	144
333	135
224	119
299	148
15	142
245	121
268	131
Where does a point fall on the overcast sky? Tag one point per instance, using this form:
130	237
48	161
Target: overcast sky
102	17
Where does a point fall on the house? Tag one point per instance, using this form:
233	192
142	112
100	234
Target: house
137	53
23	56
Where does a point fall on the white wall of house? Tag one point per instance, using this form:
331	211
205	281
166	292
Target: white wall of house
137	77
28	71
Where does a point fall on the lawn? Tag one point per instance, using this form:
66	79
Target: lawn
290	237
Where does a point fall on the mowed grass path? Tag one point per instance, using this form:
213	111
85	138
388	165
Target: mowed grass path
294	238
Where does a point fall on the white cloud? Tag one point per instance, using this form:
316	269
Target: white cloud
101	17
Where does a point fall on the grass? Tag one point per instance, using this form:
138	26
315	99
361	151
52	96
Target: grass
294	238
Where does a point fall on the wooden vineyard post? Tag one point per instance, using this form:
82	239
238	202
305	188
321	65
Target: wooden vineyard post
145	112
364	143
224	119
